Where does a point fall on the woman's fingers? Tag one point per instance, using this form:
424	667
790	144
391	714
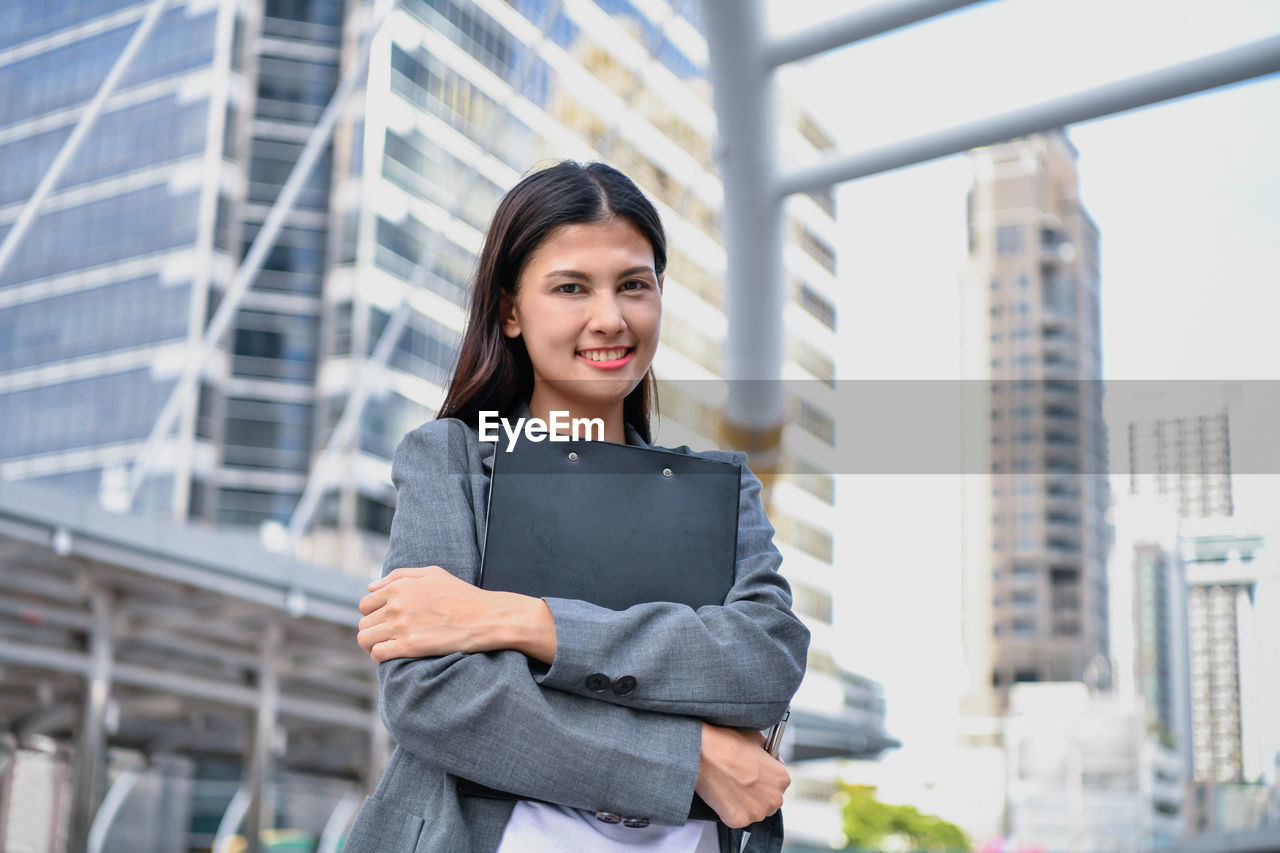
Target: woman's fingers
397	574
371	618
737	778
370	636
428	612
373	601
379	590
387	650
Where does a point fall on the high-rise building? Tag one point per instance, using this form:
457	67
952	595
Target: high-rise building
1035	533
1174	446
137	245
113	279
1150	672
1149	618
1177	440
1222	573
1187	457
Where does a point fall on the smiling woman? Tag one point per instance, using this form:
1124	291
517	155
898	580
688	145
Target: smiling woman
602	723
588	306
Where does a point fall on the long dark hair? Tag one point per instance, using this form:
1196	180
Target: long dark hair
494	372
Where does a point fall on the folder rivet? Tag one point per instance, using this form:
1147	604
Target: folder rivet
666	472
573	457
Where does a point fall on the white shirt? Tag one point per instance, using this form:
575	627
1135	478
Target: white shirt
537	827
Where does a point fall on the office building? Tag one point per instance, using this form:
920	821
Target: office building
1149	643
1229	671
1148	631
135	247
112	280
1035	537
1178	440
1223	571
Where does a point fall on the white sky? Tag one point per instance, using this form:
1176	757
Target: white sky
1186	196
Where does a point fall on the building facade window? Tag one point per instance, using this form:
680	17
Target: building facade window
817	305
1009	239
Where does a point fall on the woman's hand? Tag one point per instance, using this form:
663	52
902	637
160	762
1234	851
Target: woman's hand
427	612
737	778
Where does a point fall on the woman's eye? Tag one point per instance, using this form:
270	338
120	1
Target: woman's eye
570	287
635	284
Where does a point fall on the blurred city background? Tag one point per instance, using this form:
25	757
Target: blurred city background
1033	244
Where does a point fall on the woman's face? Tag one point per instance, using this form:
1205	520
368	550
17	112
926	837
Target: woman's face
588	304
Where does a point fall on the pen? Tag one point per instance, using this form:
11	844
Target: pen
772	744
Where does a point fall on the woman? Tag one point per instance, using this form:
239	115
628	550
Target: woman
605	723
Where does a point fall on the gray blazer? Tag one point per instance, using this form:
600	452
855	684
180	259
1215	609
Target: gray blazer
498	719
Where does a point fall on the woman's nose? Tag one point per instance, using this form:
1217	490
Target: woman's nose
606	315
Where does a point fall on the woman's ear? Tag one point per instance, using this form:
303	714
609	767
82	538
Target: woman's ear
510	323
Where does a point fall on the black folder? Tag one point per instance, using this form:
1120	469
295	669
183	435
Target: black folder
611	524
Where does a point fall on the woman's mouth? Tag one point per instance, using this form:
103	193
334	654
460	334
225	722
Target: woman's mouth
610	358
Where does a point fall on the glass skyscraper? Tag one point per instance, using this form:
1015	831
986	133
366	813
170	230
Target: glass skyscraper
135	248
133	251
110	281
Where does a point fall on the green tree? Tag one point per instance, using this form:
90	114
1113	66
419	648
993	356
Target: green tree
869	823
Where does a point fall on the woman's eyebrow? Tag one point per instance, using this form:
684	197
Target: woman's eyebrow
584	277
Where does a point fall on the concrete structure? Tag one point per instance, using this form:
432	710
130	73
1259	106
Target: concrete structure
172	684
1225	809
140	658
1085	775
1035	535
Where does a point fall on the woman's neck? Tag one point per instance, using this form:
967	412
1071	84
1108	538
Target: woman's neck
615	428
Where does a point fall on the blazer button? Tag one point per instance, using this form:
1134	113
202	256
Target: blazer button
608	817
624	685
636	822
597	682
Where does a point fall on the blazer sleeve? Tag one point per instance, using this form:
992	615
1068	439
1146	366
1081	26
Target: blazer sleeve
736	664
482	716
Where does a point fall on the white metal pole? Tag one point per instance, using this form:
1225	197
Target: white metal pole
856	26
1256	59
91	738
746	114
111	805
232	817
339	818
